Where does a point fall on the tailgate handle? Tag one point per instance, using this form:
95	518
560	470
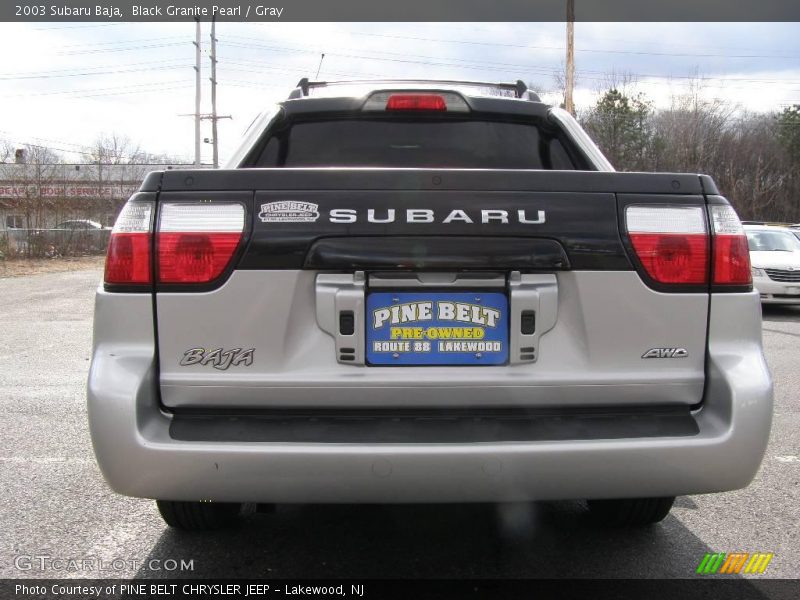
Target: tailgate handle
347	322
528	322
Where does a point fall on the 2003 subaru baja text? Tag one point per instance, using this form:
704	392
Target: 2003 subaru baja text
425	291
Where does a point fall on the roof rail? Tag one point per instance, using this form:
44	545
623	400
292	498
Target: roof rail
304	86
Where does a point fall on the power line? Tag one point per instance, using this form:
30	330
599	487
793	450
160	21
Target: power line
121	42
148	87
142	91
471	29
105	50
479	64
385	59
89	73
601	77
112	67
561	48
248	68
544	70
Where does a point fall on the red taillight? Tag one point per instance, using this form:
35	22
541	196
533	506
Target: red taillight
673	258
731	253
670	242
416	102
194	257
128	258
196	241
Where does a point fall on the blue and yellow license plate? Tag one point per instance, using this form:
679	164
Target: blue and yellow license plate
437	328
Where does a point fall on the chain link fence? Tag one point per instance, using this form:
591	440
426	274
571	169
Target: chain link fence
53	242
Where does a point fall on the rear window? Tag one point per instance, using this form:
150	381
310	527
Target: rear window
467	144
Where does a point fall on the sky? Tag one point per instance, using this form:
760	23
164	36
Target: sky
62	85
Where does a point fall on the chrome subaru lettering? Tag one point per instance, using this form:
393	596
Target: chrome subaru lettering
521	215
457	215
486	216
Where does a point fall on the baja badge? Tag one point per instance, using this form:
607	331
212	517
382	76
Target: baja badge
218	358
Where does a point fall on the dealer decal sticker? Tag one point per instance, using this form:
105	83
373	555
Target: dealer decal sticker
289	211
462	328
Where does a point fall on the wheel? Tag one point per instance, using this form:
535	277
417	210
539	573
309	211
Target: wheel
630	512
198	516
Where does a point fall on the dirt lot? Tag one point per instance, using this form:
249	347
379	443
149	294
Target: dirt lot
38	266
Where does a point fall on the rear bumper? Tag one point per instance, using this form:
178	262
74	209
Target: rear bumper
773	299
775	292
139	457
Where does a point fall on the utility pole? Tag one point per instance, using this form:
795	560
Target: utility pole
213	116
197	86
569	103
214	92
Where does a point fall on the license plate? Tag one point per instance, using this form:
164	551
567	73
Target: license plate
437	328
793	290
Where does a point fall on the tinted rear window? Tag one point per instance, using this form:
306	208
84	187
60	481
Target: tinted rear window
388	143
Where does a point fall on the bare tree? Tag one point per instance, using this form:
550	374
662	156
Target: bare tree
6	151
114	149
753	157
33	178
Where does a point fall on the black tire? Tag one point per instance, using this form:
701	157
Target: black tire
630	512
198	516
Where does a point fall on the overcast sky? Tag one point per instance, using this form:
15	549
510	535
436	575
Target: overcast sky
62	85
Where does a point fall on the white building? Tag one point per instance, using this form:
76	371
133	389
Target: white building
39	196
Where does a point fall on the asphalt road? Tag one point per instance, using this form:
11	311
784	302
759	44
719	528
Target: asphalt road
54	501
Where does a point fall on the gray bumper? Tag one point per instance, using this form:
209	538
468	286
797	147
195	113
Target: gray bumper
138	457
776	292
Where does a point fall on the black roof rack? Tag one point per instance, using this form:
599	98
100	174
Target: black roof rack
519	88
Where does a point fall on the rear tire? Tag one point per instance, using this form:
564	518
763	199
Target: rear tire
198	516
630	512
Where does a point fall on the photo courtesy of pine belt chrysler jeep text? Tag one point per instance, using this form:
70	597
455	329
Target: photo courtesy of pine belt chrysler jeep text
425	291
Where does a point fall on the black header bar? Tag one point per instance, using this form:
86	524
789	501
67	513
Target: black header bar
392	589
398	10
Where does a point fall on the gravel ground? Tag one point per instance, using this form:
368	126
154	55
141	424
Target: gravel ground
37	266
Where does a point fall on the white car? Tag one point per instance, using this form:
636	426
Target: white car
775	260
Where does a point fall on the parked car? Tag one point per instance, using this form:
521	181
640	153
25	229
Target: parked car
72	236
419	291
775	259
